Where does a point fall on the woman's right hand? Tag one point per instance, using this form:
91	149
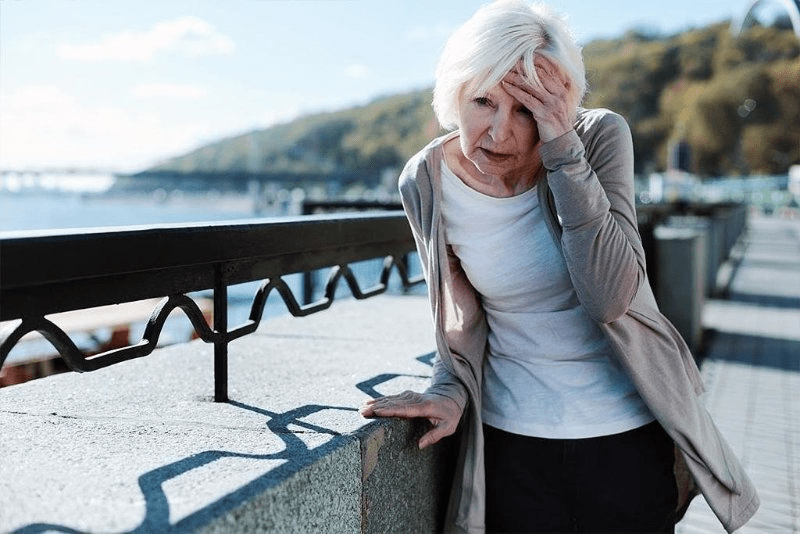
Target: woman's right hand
442	412
551	103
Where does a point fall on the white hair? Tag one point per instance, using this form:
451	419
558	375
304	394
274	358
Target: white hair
487	46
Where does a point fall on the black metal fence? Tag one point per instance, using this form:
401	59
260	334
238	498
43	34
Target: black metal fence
42	273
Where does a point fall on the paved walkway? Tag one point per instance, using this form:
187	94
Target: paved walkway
752	375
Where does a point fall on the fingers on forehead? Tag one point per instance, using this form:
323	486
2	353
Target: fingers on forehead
518	68
513	75
547	65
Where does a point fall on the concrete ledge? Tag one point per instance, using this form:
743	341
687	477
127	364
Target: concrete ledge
141	447
404	489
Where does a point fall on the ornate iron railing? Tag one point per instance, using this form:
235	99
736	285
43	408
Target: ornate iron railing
42	273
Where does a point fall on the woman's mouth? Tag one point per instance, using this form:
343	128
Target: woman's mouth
495	156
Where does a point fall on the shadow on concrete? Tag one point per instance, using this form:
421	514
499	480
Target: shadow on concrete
296	454
368	386
782	354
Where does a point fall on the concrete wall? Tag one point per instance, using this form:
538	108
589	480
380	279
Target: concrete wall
141	447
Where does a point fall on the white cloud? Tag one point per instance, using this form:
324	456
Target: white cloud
44	126
169	90
357	71
188	35
33	96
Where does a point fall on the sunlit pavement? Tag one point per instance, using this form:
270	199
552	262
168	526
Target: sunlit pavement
752	375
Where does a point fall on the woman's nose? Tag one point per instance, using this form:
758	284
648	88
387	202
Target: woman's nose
500	127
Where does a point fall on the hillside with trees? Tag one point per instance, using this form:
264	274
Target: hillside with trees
734	101
365	140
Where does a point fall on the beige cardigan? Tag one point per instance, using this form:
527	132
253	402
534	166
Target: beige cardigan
590	211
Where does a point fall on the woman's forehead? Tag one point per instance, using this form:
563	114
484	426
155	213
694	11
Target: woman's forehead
487	82
481	85
495	93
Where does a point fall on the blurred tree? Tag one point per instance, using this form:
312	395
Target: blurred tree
716	92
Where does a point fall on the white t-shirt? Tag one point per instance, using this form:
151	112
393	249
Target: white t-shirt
549	372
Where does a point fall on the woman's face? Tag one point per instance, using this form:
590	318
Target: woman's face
498	134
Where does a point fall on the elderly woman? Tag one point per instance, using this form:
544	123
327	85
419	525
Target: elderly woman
570	388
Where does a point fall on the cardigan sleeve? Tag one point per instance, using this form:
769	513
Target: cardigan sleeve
443	382
590	173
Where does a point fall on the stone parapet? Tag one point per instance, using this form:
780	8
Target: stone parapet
141	446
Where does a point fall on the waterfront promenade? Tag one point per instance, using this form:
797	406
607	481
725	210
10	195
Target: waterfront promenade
752	374
140	447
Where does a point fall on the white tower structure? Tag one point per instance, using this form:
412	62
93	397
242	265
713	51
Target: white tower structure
748	18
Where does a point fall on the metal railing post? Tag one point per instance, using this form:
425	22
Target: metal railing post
221	329
406	263
308	287
308	276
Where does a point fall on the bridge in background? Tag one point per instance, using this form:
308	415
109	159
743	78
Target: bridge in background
57	178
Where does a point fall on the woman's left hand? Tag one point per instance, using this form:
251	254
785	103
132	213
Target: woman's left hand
551	104
442	412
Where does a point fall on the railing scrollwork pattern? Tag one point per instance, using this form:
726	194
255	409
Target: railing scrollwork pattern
271	250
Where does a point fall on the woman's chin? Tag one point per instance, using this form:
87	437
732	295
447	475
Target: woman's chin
492	168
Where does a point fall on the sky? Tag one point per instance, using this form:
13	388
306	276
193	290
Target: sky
120	85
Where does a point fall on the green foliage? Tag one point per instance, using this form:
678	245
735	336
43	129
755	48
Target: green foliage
365	139
736	101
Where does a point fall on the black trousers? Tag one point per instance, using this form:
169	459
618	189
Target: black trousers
618	483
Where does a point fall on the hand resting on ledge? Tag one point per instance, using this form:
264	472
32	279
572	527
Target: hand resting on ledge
442	412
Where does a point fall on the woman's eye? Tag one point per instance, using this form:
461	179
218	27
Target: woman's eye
482	101
524	111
